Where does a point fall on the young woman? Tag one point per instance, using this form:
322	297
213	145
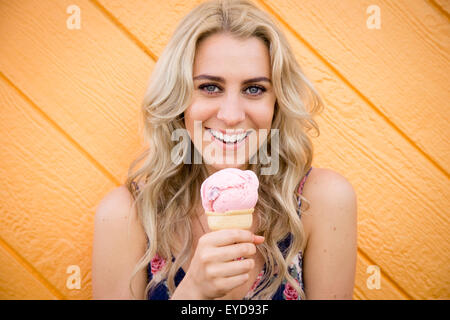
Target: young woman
227	74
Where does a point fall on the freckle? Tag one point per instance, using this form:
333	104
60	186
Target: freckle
324	250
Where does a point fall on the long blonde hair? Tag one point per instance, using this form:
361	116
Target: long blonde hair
169	190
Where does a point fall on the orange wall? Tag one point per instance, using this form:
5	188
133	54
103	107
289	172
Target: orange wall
69	129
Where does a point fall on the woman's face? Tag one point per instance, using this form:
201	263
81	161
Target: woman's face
233	100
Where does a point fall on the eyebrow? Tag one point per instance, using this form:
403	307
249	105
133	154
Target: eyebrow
220	79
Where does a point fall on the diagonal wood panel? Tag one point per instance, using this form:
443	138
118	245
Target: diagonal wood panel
393	281
365	147
97	75
17	282
52	190
111	30
36	52
390	177
388	290
402	68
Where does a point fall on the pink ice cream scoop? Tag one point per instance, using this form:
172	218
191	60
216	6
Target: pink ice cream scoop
228	197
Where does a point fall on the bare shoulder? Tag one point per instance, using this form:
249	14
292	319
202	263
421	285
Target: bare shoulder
116	204
329	194
324	183
119	243
330	255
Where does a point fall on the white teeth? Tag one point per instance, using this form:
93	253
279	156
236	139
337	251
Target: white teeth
227	138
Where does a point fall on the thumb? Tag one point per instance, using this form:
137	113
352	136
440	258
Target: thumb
258	239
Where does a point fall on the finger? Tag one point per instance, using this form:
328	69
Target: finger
229	283
229	236
258	239
233	251
232	268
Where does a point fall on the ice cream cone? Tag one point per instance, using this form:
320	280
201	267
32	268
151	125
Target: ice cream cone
233	219
229	197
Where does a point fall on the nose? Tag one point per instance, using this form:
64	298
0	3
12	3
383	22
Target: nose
231	111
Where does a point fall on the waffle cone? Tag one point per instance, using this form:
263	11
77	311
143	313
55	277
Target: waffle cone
233	219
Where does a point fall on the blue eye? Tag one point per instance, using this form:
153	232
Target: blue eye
208	88
254	90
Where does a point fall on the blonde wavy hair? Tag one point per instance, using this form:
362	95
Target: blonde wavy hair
169	191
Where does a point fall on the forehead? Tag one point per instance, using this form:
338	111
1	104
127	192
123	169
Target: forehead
223	54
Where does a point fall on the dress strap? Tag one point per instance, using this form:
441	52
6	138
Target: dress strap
300	188
302	182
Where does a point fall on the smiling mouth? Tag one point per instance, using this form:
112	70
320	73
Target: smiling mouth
229	139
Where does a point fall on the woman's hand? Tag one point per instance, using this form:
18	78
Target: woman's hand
213	271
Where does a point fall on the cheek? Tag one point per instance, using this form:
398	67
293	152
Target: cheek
262	117
193	113
199	112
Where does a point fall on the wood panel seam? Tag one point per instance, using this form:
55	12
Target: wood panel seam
35	273
384	275
359	294
122	28
439	8
353	88
61	131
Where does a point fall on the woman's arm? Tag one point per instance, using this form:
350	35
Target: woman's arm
117	249
330	255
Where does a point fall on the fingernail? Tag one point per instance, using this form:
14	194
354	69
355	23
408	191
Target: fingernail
259	237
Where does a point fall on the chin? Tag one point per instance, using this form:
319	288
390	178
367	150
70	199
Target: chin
219	166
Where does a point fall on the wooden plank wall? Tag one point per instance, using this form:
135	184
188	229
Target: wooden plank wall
70	116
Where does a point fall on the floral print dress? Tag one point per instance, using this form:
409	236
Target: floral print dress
285	290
